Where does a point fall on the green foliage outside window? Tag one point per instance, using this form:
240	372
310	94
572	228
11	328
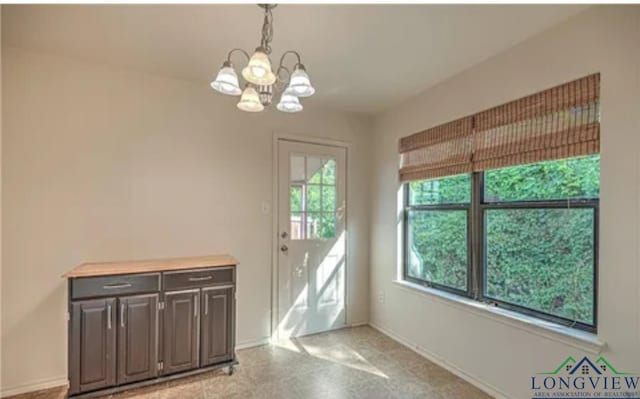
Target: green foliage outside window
542	259
538	258
450	190
553	180
439	240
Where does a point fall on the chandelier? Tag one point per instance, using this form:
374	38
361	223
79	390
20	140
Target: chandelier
261	81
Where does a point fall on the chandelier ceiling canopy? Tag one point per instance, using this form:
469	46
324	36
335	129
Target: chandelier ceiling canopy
261	80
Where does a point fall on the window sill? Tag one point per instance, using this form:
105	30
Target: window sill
579	339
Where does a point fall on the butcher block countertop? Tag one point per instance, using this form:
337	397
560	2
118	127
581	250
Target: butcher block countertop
147	266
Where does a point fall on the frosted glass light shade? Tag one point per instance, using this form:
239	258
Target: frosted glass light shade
227	81
299	84
289	103
250	102
258	71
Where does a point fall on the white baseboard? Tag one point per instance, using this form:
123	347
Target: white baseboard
35	386
359	324
488	388
252	343
475	381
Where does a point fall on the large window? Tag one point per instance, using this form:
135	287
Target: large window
523	237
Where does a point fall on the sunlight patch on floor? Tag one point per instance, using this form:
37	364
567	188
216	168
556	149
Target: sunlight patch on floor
340	354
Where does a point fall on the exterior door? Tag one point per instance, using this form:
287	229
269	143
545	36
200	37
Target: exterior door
181	331
311	242
217	319
93	345
138	338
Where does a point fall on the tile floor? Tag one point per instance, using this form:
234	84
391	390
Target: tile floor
356	363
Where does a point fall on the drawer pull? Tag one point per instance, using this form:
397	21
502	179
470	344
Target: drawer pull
200	278
122	315
116	286
108	317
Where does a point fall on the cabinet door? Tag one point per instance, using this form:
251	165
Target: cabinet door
181	331
93	345
137	338
217	334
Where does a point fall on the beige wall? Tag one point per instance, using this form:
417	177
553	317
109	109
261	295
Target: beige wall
103	163
497	355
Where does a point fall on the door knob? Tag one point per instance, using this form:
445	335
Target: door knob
284	248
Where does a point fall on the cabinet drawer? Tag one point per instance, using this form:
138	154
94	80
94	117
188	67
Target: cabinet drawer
86	287
198	278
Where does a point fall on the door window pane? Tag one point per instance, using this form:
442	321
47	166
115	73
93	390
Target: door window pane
295	198
437	247
448	190
313	226
329	172
328	198
297	168
551	180
328	227
542	259
314	170
297	223
312	198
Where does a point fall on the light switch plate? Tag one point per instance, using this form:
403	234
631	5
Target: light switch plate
265	207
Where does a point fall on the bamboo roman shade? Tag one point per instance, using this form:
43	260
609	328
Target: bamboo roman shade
560	122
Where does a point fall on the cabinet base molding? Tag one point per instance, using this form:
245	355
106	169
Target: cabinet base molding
146	383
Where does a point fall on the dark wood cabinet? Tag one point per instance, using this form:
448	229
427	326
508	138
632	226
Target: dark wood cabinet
92	342
164	322
181	331
216	325
138	338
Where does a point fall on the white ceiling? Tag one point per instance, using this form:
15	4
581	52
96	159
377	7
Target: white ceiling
361	58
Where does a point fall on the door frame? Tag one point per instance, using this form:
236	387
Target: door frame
277	137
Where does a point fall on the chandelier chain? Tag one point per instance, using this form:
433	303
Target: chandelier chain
267	31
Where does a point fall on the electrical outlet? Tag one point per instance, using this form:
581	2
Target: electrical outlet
381	296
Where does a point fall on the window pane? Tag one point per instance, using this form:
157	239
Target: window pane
328	198
297	232
295	198
314	227
542	259
438	247
329	172
448	190
328	227
313	198
296	166
314	170
567	178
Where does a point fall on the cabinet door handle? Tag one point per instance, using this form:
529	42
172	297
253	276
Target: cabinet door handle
221	287
108	317
200	278
195	306
206	304
122	315
116	286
